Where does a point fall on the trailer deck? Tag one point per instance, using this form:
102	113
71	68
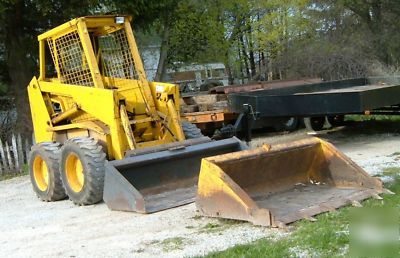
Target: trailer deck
353	96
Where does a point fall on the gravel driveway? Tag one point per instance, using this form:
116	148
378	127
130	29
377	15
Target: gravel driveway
31	228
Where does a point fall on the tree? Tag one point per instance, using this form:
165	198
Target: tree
381	19
20	22
151	13
196	35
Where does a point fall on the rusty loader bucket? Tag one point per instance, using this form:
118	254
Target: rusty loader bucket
277	185
159	178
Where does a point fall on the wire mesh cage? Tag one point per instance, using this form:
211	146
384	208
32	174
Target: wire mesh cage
116	56
113	54
70	60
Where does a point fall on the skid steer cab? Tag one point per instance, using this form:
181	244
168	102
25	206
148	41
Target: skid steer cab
92	103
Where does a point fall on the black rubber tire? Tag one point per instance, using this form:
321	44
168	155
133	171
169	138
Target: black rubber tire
337	120
92	157
290	125
49	152
191	131
314	123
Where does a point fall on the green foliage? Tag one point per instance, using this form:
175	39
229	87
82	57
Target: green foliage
20	23
3	88
196	35
147	14
7	176
255	39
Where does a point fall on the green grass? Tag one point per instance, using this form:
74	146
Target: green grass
211	228
174	243
327	237
360	118
25	171
219	226
391	171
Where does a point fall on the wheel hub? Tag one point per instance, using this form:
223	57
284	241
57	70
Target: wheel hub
74	172
41	173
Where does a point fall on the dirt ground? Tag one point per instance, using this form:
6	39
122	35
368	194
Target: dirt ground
31	228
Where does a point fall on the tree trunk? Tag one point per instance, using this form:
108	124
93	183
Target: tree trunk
228	69
263	69
240	62
251	50
245	57
162	63
20	66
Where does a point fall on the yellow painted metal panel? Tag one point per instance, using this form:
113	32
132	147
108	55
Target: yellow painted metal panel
91	58
59	30
42	60
40	113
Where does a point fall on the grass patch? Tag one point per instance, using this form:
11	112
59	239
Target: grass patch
211	228
25	171
360	118
327	237
391	171
223	224
197	217
174	243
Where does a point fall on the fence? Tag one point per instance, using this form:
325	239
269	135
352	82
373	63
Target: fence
14	154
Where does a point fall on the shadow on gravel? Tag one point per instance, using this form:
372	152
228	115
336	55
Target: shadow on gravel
352	130
372	127
356	129
368	127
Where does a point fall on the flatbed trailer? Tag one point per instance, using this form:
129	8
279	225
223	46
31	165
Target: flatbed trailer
210	110
315	102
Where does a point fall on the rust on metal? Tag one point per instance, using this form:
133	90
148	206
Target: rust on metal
161	177
208	116
263	85
279	184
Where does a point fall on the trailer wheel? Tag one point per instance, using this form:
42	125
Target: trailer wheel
82	170
44	171
191	131
337	120
291	124
314	123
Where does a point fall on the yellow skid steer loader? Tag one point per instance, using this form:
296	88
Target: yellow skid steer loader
91	103
104	132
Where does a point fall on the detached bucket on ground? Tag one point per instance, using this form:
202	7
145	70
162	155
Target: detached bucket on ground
279	184
154	179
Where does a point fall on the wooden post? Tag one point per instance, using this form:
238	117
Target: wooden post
1	160
27	150
15	153
3	157
10	161
22	160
